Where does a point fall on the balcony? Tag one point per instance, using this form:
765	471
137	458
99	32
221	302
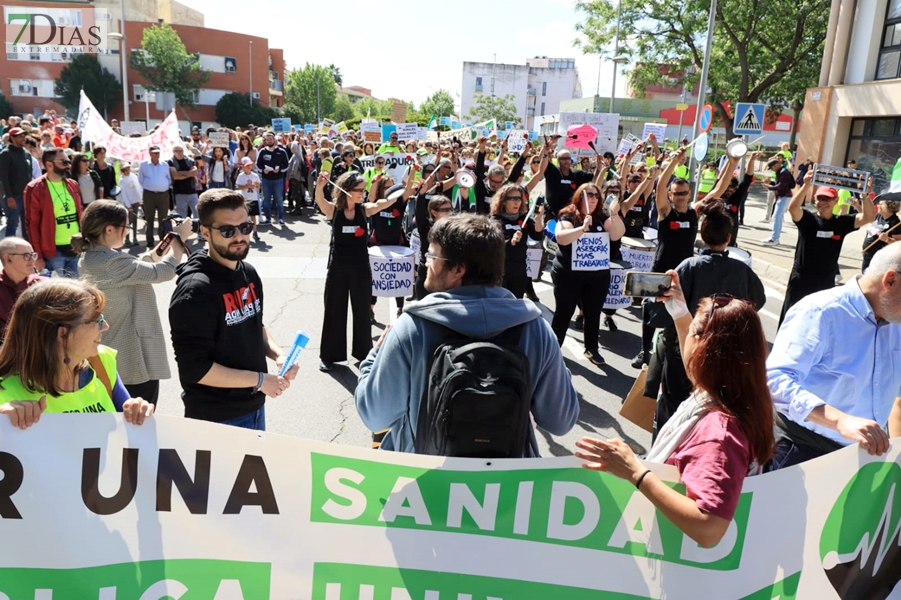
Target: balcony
530	91
478	87
276	87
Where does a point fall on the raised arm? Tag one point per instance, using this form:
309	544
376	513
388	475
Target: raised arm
661	198
796	206
868	212
722	183
327	208
644	188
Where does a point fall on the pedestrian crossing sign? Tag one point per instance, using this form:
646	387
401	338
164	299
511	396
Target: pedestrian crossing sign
748	118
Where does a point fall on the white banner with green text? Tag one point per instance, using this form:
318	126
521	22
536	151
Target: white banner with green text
94	509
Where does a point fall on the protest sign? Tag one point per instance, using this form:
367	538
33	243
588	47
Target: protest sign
392	267
625	146
615	298
395	166
387	130
95	129
591	252
607	125
533	262
658	129
129	128
841	178
282	125
219	139
180	505
508	125
309	128
444	121
399	112
326	127
456	125
372	132
406	131
341	127
422	134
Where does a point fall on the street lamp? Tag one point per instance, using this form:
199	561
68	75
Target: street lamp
250	68
123	52
617	61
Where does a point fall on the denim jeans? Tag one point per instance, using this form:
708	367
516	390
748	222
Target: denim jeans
186	205
254	420
779	216
273	193
64	266
12	215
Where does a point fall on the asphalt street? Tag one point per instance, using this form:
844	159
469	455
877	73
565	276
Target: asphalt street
291	260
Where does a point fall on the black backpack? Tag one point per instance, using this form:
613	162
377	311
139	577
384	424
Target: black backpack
477	398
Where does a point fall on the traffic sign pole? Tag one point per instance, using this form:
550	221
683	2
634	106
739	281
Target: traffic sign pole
702	94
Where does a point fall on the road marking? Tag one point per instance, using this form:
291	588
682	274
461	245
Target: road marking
767	313
773	293
575	348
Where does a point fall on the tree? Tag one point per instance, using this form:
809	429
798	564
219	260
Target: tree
336	75
6	107
441	104
757	49
167	65
300	93
85	71
343	110
371	107
234	110
494	107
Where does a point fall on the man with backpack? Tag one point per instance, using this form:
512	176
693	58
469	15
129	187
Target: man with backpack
460	371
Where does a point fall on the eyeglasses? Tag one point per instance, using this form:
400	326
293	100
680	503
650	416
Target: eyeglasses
359	190
228	231
444	209
592	195
496	181
513	199
614	189
681	193
432	257
27	255
64	163
99	321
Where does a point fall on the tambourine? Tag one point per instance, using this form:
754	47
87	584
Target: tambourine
465	178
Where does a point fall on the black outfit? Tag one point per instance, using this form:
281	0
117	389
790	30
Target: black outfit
587	289
636	218
700	276
183	186
270	157
348	274
340	168
15	172
107	177
515	277
559	188
735	204
216	316
483	194
874	230
423	226
149	390
388	229
816	255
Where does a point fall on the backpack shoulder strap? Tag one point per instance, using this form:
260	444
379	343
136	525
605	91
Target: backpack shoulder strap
97	365
511	336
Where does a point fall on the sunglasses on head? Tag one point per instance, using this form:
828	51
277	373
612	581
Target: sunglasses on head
719	301
228	231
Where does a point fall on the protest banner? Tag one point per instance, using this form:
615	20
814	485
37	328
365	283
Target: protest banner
95	129
395	166
606	124
180	505
282	125
517	140
841	178
615	298
658	129
591	252
372	132
219	139
406	131
399	112
392	267
130	128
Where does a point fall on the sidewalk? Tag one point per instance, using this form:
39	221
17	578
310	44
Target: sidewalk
773	264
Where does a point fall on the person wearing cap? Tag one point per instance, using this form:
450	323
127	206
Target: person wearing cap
249	184
184	178
15	174
820	237
155	179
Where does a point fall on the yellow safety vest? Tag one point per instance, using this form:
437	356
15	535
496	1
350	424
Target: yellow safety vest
708	180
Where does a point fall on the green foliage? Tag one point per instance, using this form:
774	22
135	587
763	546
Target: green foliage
85	71
343	109
235	110
412	117
372	107
494	107
336	75
6	107
440	104
761	52
167	66
300	93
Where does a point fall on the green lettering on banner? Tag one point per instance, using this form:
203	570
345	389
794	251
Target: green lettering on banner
335	581
188	579
787	589
572	507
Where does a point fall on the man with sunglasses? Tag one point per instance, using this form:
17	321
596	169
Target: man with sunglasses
216	319
17	257
53	214
390	146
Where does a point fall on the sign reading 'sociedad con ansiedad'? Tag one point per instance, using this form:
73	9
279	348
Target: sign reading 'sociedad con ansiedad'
93	508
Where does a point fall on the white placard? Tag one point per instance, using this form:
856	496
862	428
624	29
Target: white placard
533	262
658	129
517	139
130	128
607	125
372	132
406	132
219	139
615	298
396	166
591	252
393	269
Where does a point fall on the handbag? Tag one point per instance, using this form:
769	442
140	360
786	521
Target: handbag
654	314
637	407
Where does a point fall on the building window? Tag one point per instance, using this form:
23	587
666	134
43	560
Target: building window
890	54
544	88
542	109
478	84
876	146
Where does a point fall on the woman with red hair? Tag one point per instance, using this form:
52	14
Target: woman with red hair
720	434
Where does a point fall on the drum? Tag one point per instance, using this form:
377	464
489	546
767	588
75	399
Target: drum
639	252
615	298
550	239
740	255
534	254
393	270
415	245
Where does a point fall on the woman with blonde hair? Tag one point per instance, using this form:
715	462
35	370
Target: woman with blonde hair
127	282
53	361
509	208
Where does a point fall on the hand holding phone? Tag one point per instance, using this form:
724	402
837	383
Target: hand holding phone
647	285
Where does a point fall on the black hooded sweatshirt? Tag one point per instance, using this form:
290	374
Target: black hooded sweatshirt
216	316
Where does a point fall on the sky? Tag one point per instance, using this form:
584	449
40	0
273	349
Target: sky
407	49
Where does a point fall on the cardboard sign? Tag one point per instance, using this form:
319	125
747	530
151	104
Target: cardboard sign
406	131
372	132
591	252
130	128
533	262
615	298
219	139
517	139
399	112
282	125
658	129
606	124
841	178
393	270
